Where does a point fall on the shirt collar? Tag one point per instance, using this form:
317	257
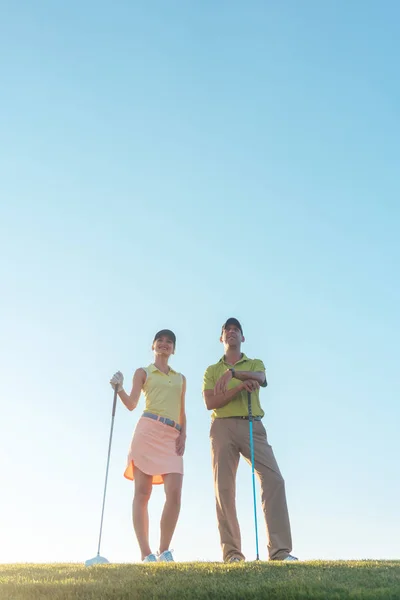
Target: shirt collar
152	368
243	359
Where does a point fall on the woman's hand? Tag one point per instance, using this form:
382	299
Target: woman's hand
117	381
180	444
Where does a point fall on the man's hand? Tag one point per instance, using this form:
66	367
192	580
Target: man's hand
250	385
117	381
222	383
180	444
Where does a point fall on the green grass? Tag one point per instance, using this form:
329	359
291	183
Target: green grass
188	581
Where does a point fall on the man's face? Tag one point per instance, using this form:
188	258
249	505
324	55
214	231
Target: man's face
232	336
164	346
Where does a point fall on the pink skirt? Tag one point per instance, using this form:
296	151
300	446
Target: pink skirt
153	450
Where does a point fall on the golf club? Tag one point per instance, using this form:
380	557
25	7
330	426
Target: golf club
100	560
252	469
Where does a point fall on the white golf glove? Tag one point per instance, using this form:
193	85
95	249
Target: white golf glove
117	381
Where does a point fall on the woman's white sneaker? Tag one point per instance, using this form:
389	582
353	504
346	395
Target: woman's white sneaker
166	556
150	558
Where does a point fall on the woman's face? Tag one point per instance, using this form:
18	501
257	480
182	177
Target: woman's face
164	346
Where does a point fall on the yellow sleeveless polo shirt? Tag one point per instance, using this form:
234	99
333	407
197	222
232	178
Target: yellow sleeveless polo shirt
163	393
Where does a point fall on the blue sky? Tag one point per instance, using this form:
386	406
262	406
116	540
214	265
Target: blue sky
171	165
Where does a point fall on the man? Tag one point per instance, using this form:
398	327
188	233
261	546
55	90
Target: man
225	388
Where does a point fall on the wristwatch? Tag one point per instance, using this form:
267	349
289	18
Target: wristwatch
233	372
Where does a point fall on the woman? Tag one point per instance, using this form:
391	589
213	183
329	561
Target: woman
158	444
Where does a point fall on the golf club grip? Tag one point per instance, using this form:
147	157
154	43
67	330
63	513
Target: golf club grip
115	402
249	403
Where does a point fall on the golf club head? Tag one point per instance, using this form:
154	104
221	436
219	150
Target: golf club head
97	560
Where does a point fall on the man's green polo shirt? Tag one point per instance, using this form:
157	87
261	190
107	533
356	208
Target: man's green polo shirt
238	406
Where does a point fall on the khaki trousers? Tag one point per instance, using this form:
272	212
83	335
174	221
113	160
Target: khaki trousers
230	438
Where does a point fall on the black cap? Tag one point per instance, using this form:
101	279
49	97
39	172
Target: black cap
167	333
232	321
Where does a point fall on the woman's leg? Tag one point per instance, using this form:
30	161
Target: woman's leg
140	514
172	506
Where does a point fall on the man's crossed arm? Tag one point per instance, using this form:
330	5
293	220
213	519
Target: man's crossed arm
220	396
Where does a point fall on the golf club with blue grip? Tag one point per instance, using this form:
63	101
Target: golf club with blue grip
252	470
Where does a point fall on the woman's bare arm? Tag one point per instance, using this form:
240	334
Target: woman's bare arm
131	400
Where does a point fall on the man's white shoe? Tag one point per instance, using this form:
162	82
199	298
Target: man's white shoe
150	558
166	556
235	559
290	557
